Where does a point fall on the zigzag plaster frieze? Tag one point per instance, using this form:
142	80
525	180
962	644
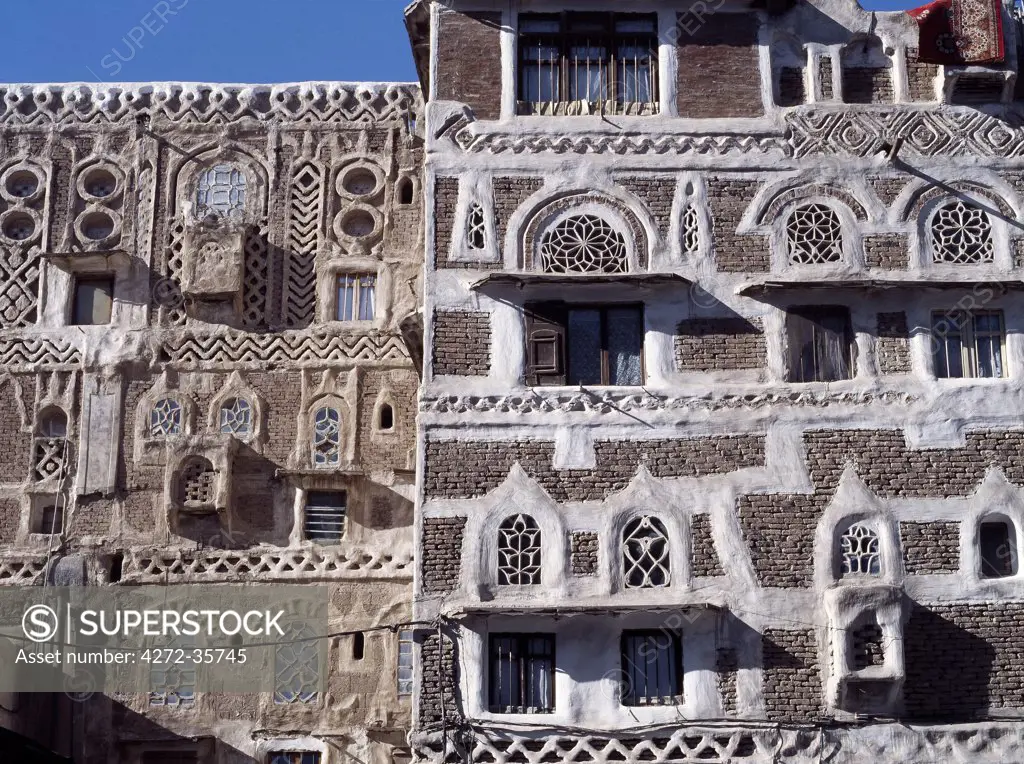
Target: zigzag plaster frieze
35	352
21	571
583	143
308	102
214	349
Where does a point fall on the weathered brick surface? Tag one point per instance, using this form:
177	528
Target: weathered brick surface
656	194
462	470
719	344
930	547
469	61
91	517
15	442
441	553
978	90
446	197
727	666
792	682
705	556
964	660
439	680
462	343
509	193
10	519
792	87
779	530
893	349
719	78
728	200
825	77
868	646
920	77
583	553
886	189
886	250
867	85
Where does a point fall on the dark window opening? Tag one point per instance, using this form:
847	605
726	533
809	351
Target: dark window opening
386	421
116	567
358	646
294	757
584	345
325	515
93	301
50	520
821	346
405	191
170	757
522	673
998	547
651	668
592	58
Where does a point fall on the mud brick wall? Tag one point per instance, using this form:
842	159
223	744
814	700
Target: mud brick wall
91	517
441	552
727	665
1018	253
705	557
438	679
462	343
779	530
10	519
920	77
893	349
253	500
469	61
825	77
656	194
719	344
719	76
930	547
583	553
446	197
463	470
509	194
792	683
970	654
977	90
389	450
792	87
15	443
887	250
728	199
887	189
282	409
867	85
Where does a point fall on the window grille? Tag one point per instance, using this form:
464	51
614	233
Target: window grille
522	673
645	554
405	661
815	235
961	234
821	346
357	296
236	417
221	191
165	418
519	551
476	230
583	244
172	683
968	344
691	230
326	437
198	484
651	668
859	548
325	515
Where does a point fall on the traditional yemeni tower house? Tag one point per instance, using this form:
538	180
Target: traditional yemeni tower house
205	380
721	441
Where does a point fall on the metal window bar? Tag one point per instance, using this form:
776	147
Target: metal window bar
651	668
356	296
325	516
522	673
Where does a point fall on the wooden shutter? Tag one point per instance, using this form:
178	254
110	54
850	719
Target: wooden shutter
820	344
545	343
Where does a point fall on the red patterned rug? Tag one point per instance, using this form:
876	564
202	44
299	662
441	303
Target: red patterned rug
960	31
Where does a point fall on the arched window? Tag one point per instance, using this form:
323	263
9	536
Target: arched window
165	418
50	452
859	549
405	191
53	424
326	437
476	230
386	417
814	235
197	484
236	417
997	547
645	554
961	234
221	191
583	244
691	231
519	551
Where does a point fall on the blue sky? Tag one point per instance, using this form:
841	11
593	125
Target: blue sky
213	40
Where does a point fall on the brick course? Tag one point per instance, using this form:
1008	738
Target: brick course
727	666
720	74
825	77
719	344
583	553
930	547
705	556
469	61
656	194
509	194
867	85
887	250
728	200
446	198
10	519
464	470
792	682
441	552
893	349
792	87
462	343
920	77
439	680
886	189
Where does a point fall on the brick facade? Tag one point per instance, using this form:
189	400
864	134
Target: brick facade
887	250
893	348
719	344
825	78
867	85
446	198
441	553
920	77
469	61
656	195
705	556
720	51
792	86
509	194
727	667
728	200
792	680
462	343
930	547
583	558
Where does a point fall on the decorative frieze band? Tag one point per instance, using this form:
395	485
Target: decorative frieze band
215	349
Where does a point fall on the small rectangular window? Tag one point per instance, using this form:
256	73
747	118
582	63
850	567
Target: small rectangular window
968	345
522	673
356	296
294	757
50	520
821	346
405	658
998	546
584	345
325	515
651	668
93	301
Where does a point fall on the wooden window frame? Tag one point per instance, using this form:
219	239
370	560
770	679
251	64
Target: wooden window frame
969	336
523	655
813	315
675	650
357	290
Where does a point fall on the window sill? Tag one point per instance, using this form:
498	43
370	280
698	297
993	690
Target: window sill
655	702
519	710
586	109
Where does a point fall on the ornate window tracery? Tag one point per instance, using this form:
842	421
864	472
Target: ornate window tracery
296	667
859	548
476	229
815	235
221	191
961	235
645	554
583	244
165	418
691	230
326	437
519	551
50	454
236	417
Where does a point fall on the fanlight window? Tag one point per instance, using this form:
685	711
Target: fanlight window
475	228
583	244
165	418
236	417
519	551
645	554
815	235
221	191
326	437
962	234
859	549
